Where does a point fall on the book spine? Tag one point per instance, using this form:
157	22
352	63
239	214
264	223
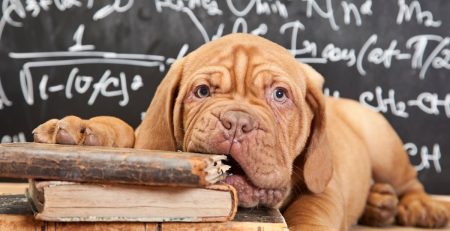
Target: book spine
107	165
234	201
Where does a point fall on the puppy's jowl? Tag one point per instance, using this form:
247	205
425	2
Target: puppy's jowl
319	159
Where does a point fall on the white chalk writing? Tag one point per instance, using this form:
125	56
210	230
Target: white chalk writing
379	103
15	10
82	82
180	7
427	160
429	103
80	55
335	94
438	58
260	7
4	101
328	13
19	137
352	9
369	53
78	38
117	6
349	9
211	6
406	12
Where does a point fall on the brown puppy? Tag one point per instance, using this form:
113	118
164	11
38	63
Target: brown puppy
292	148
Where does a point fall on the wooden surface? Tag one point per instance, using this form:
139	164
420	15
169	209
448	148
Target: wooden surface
108	165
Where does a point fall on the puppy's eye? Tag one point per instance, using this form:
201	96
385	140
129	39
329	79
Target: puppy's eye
279	94
202	91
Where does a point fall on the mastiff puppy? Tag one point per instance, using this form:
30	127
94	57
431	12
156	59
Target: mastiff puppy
325	162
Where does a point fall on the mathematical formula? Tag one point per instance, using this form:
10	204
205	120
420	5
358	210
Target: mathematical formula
427	102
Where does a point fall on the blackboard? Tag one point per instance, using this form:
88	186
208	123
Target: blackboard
86	57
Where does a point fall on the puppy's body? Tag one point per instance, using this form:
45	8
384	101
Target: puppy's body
294	148
375	153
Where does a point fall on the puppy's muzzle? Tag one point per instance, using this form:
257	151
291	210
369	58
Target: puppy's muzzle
237	124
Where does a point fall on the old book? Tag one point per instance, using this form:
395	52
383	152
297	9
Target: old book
109	165
79	202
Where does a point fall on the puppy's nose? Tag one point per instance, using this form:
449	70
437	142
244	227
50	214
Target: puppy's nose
236	121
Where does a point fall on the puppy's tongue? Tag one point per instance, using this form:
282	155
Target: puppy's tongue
250	196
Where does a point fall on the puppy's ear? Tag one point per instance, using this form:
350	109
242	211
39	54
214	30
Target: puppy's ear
318	165
157	128
313	76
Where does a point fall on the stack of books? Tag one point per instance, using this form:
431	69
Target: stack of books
101	184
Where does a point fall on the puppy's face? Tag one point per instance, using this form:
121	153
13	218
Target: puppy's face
247	101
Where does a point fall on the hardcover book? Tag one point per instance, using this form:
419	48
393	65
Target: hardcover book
79	202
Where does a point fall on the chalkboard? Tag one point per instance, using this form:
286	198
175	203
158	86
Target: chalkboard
86	57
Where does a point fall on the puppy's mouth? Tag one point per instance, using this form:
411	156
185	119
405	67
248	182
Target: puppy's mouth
259	181
250	195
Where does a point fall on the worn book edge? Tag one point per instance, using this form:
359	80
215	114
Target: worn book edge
215	169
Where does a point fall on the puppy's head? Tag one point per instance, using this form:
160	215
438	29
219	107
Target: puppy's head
248	98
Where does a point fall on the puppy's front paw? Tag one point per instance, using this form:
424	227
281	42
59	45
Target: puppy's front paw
45	133
381	206
97	131
69	130
418	209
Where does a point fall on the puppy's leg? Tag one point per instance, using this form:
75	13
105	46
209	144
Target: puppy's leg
108	131
318	212
99	131
416	208
381	207
390	164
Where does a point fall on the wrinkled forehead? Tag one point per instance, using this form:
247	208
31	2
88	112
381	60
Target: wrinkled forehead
243	56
